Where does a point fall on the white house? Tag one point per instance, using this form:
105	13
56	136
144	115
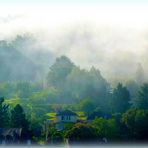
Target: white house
65	116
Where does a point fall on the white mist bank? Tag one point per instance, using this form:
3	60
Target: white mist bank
111	38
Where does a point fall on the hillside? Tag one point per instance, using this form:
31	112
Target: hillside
14	65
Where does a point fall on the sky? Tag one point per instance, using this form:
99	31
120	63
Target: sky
103	33
44	14
74	1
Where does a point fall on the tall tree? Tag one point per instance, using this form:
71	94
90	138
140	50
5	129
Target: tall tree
87	106
140	75
106	128
142	99
84	84
4	115
59	71
18	117
136	120
82	133
120	99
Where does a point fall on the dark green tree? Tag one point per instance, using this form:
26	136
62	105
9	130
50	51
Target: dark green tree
87	106
136	120
106	128
18	118
82	133
142	99
120	99
133	88
4	114
59	71
83	84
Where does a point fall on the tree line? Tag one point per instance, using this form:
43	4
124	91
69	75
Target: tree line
116	113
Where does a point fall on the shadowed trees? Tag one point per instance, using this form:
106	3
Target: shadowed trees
59	71
120	99
136	121
4	114
18	118
82	133
141	100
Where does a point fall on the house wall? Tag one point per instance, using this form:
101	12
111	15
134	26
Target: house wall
66	118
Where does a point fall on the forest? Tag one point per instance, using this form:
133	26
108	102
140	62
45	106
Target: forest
30	96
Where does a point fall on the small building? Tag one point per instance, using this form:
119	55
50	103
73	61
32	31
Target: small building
10	136
65	116
13	136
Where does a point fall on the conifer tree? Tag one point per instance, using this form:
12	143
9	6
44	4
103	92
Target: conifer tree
4	114
18	117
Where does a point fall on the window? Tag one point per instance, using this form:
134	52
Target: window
68	118
62	118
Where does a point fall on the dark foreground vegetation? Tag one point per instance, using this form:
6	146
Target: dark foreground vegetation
111	114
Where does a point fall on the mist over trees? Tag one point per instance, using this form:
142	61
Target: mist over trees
14	65
4	115
32	57
74	83
120	99
31	91
64	82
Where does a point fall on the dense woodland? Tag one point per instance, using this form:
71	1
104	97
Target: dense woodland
117	112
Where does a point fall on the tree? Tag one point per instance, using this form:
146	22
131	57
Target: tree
136	120
82	133
142	100
57	137
23	89
36	127
83	84
140	74
133	88
59	71
97	112
120	99
4	114
107	128
18	118
87	106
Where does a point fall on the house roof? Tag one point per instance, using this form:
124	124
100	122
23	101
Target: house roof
67	113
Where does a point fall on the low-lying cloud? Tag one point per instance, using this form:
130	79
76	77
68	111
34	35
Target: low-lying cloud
113	39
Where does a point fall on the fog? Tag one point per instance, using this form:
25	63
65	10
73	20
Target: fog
111	38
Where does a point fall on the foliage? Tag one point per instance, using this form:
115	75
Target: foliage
87	106
59	71
136	120
28	103
142	100
106	128
35	127
57	137
18	118
12	61
120	99
4	114
82	133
